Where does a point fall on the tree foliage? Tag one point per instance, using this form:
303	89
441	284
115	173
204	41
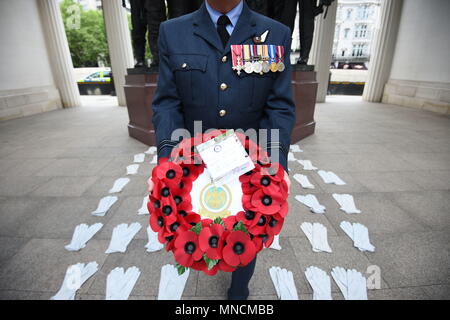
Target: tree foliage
86	35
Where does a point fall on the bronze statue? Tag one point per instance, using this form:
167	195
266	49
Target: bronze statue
146	16
285	11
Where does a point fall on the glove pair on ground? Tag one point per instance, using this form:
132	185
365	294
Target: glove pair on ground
119	283
76	275
346	202
317	236
303	180
350	282
104	205
171	284
311	202
307	165
82	234
359	234
330	178
122	236
283	281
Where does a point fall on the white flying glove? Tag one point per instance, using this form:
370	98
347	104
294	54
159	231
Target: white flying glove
171	284
291	157
132	169
283	280
320	283
154	160
139	158
359	234
307	165
76	275
144	208
303	180
119	184
122	236
346	202
317	236
311	202
276	243
82	234
352	283
330	177
153	242
119	283
150	150
295	148
104	205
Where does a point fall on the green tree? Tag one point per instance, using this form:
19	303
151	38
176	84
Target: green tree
87	39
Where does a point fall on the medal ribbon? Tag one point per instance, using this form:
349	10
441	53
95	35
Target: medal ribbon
272	53
280	53
246	52
236	51
265	50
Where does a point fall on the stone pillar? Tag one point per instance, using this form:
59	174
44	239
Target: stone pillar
322	49
59	53
383	50
119	43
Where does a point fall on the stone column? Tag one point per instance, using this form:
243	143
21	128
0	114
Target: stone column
59	53
322	49
383	50
119	43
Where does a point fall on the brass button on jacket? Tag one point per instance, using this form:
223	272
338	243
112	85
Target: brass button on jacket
223	86
222	113
224	59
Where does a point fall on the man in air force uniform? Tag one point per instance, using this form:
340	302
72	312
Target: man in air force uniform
197	83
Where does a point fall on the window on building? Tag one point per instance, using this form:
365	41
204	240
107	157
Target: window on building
364	12
343	52
358	50
346	33
349	14
361	31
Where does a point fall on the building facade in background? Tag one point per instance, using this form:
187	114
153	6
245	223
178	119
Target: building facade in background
356	21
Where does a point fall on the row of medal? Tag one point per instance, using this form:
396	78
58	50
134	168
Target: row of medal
257	58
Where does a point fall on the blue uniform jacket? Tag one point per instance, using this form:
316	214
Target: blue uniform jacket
196	81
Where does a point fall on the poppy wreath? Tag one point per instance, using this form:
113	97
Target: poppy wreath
223	243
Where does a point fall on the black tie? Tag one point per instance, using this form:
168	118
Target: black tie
222	29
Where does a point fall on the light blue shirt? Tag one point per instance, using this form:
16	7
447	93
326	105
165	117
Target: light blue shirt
233	15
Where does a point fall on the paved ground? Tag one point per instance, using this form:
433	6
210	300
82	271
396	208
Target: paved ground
55	167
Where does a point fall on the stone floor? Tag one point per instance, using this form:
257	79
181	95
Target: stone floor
54	168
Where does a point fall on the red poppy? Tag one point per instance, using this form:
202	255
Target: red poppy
169	173
267	204
211	241
230	222
156	221
239	249
248	217
201	266
187	249
274	225
168	210
268	185
223	266
189	219
260	226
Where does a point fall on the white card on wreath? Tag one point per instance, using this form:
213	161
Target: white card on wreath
225	157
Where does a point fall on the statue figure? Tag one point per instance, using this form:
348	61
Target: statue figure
285	11
146	16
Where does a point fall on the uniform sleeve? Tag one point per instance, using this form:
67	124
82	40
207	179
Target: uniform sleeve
279	111
167	107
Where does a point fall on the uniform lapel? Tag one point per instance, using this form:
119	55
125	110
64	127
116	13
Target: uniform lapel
245	28
204	28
